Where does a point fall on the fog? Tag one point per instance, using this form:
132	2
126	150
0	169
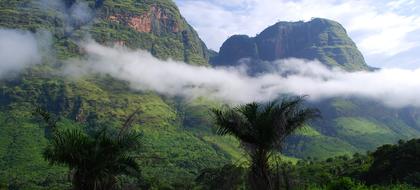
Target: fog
393	87
74	15
18	50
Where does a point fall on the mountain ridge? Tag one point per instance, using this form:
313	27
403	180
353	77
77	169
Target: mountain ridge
179	136
349	124
318	39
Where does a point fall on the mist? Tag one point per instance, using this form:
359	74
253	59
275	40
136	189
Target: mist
18	50
394	87
75	14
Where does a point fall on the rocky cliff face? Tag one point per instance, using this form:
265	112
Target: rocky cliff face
163	31
156	20
321	39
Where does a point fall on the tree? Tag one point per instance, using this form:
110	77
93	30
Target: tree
398	163
231	176
95	160
262	129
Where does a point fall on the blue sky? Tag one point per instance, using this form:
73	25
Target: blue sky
387	32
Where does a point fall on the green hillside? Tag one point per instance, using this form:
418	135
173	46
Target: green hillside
178	137
173	152
353	125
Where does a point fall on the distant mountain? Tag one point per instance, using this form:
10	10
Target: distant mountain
321	39
349	124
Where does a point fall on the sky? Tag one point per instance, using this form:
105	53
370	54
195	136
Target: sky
387	32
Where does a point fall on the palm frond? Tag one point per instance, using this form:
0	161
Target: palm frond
68	147
128	122
291	115
232	122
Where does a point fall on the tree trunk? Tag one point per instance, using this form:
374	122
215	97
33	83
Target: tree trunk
286	178
259	176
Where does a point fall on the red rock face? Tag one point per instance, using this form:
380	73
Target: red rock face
143	23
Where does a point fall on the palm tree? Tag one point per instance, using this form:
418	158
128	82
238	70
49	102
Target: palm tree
95	160
262	130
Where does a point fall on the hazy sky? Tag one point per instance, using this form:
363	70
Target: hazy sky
387	32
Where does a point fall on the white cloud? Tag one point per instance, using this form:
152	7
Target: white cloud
18	50
393	87
396	4
379	29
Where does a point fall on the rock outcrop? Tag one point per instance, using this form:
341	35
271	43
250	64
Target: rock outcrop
153	20
320	39
158	26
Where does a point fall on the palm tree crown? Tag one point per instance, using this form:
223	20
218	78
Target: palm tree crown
94	160
262	129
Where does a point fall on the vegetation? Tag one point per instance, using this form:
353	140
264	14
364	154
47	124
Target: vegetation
95	159
396	163
178	136
349	125
171	153
262	130
372	171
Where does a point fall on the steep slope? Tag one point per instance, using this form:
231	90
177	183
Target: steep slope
320	39
156	26
348	125
178	138
351	125
172	153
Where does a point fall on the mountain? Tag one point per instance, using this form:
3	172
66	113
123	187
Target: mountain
174	151
321	39
178	136
349	124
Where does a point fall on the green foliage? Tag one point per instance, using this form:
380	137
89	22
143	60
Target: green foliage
94	160
351	125
389	167
349	184
396	163
21	161
94	100
175	155
262	130
179	140
228	177
372	171
344	183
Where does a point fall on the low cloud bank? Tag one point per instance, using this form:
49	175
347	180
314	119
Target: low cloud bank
393	87
18	50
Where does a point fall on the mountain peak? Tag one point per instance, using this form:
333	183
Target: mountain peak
318	39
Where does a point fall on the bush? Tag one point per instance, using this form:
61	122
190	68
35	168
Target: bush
345	183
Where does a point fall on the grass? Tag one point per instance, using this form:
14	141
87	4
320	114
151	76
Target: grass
356	126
